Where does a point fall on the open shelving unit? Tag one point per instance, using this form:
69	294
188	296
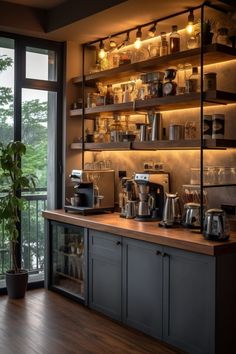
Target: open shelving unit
206	54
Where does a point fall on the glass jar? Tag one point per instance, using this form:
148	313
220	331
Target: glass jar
222	36
193	83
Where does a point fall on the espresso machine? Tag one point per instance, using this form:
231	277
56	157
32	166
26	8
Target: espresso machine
151	187
93	191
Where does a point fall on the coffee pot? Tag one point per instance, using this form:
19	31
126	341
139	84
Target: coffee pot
216	225
172	211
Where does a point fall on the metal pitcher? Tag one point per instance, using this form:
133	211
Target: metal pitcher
172	211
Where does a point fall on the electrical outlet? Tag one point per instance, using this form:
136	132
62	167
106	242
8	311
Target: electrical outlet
229	209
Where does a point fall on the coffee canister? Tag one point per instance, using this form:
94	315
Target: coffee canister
218	126
207	126
210	81
176	132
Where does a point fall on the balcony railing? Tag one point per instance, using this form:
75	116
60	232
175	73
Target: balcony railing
32	237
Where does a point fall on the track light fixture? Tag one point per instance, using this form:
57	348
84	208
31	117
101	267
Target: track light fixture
112	44
138	42
101	53
152	30
189	27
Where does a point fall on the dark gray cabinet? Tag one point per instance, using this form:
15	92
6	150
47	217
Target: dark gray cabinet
183	298
169	293
142	286
105	273
188	300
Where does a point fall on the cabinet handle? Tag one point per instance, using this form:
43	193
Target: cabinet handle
164	254
118	243
158	253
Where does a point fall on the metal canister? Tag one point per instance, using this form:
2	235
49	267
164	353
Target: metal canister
218	126
207	126
176	132
210	81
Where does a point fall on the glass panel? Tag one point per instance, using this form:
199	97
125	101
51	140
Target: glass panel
6	89
41	64
6	124
37	106
68	258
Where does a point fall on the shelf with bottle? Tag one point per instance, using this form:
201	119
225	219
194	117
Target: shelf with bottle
166	103
213	53
213	144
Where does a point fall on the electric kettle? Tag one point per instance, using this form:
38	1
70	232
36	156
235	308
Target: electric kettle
172	211
216	226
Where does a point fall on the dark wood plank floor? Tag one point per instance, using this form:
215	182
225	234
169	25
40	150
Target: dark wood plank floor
47	323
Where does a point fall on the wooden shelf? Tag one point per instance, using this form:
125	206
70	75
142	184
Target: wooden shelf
157	145
213	53
69	277
102	146
190	100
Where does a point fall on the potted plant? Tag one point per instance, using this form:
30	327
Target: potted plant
12	181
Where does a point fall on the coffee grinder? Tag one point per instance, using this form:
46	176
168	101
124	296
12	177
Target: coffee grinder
151	187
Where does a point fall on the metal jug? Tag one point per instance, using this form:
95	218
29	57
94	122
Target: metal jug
172	211
216	226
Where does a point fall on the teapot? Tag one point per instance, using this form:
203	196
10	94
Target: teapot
172	211
216	226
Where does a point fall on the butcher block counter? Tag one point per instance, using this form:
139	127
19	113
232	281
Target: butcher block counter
181	238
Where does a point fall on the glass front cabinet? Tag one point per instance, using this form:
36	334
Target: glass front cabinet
68	260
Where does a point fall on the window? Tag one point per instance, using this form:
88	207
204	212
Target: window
30	111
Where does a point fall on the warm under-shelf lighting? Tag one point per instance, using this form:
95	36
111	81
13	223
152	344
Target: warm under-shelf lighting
138	42
189	27
101	53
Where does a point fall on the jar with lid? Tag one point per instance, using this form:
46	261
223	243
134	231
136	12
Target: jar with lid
174	40
222	36
164	44
193	83
91	99
116	129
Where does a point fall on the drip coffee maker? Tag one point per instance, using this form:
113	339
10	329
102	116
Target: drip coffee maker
151	187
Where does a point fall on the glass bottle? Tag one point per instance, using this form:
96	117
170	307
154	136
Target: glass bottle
107	135
164	44
96	131
109	99
174	40
193	83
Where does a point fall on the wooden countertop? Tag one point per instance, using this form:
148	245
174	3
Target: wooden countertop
147	231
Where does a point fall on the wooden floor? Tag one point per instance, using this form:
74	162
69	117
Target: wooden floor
47	323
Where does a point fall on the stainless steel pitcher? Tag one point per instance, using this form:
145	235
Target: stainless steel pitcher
172	211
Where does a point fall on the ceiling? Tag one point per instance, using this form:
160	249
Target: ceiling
87	21
40	4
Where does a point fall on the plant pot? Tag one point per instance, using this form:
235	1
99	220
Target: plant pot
16	283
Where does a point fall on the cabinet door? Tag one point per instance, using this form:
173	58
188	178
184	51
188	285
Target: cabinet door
142	286
68	260
105	273
189	300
